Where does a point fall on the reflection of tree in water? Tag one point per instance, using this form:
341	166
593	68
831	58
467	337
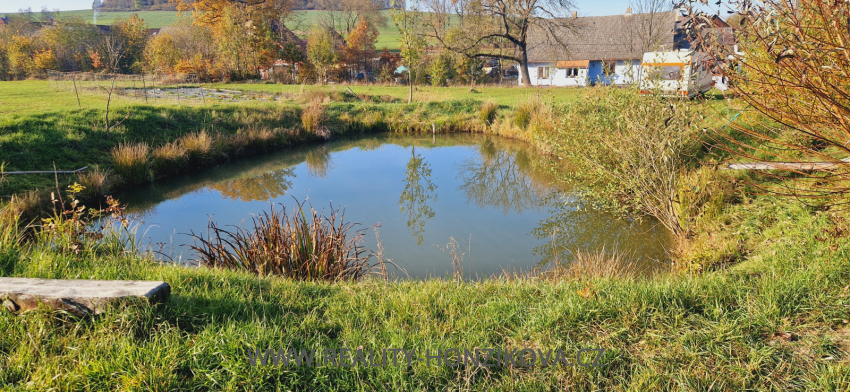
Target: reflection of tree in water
571	226
501	179
318	161
418	189
265	186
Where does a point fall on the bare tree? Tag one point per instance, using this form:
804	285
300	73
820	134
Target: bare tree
499	28
652	26
344	14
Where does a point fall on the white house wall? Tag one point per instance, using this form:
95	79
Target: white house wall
625	73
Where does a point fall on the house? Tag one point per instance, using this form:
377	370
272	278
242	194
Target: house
601	49
3	23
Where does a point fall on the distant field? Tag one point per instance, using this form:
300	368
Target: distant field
300	22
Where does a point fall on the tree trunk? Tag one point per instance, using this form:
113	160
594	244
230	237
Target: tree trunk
526	76
410	82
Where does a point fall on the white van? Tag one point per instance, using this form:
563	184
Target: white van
681	73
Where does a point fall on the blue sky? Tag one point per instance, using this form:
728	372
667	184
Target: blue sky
585	7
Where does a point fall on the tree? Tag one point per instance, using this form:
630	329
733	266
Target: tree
322	51
499	28
361	47
790	65
409	25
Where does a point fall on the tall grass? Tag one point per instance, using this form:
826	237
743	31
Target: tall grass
591	265
487	113
131	162
168	158
96	182
198	146
313	119
302	245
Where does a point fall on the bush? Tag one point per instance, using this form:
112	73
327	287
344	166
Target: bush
629	151
131	162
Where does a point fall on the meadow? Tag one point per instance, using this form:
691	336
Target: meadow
774	314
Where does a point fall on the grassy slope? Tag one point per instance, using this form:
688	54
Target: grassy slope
42	126
717	331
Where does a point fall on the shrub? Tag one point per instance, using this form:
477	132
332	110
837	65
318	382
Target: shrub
198	146
487	113
629	152
168	158
131	162
303	245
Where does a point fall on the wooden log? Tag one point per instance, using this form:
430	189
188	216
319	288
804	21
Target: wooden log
79	297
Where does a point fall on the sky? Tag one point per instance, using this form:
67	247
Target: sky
585	7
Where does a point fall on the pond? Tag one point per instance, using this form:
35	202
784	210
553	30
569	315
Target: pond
485	192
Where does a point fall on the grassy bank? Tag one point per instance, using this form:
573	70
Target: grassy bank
43	127
775	322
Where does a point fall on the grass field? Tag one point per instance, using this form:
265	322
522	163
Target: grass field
776	319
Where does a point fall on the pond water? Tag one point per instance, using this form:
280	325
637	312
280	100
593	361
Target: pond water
486	193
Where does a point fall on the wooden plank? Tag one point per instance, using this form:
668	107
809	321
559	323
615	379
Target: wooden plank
793	166
77	296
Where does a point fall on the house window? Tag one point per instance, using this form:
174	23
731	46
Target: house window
543	72
608	67
572	72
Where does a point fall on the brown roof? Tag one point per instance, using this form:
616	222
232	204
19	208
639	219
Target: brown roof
613	37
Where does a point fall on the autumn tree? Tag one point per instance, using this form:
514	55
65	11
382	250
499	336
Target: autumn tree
322	51
499	28
360	47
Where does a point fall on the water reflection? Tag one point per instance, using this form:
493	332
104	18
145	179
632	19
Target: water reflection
570	226
318	162
490	190
502	178
265	186
418	190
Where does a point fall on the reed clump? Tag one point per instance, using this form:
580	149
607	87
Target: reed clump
301	245
131	161
96	182
488	111
591	265
313	120
198	146
169	158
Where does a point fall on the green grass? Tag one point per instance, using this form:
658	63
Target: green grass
723	330
154	19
